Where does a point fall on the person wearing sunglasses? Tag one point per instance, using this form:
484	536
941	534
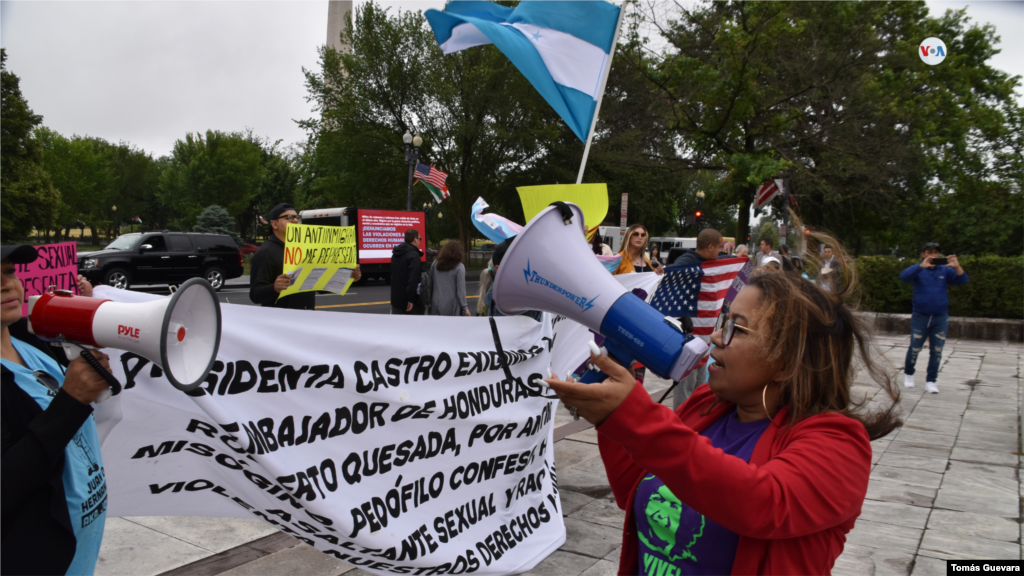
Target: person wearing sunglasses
765	468
53	485
634	256
267	278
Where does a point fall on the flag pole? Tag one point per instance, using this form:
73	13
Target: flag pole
604	82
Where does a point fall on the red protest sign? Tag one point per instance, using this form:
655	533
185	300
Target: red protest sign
56	266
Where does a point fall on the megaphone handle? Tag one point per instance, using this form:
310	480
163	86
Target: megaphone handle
115	386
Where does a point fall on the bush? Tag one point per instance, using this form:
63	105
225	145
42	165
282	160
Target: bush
996	288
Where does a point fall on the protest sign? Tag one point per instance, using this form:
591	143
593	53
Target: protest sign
381	230
392	451
56	266
319	258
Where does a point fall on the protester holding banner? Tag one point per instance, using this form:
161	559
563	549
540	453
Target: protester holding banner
53	484
765	469
634	253
448	297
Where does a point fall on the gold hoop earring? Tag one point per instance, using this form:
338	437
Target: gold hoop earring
763	403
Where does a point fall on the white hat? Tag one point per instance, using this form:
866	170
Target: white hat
771	259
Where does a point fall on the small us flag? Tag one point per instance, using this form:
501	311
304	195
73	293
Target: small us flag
432	176
697	291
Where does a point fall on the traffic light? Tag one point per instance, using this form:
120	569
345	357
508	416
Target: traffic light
698	214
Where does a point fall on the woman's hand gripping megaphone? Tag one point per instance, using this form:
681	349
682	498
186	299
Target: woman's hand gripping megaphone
596	402
83	382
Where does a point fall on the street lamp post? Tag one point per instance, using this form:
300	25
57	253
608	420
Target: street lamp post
700	209
114	218
412	157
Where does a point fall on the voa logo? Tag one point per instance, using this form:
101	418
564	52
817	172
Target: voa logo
932	51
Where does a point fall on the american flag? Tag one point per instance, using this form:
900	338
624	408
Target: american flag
431	176
697	291
766	192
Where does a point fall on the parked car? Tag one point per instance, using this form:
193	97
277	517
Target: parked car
163	258
244	246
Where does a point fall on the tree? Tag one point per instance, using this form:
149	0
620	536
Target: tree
220	168
214	219
27	195
834	93
395	80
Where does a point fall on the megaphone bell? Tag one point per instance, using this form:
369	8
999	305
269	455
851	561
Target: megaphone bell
550	267
180	334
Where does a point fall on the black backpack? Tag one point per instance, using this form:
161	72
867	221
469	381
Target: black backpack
426	287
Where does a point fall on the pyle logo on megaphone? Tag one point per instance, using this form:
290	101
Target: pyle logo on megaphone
128	333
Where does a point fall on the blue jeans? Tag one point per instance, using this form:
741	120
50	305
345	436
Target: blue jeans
932	328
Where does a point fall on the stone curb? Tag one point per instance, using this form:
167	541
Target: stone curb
991	329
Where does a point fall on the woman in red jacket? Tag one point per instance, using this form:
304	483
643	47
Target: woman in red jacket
764	469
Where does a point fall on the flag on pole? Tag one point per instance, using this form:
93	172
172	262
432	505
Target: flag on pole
137	220
767	192
263	220
433	179
562	47
697	291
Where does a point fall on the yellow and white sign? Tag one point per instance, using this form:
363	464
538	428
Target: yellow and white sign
319	258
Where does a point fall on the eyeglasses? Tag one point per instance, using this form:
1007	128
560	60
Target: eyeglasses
291	218
728	327
46	379
640	234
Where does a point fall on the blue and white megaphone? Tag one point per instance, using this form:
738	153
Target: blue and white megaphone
550	267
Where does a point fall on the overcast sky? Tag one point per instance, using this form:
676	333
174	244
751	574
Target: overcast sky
149	72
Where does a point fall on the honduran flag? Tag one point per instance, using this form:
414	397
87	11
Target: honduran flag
562	47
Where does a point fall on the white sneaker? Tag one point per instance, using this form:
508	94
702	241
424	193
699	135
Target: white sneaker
931	387
909	380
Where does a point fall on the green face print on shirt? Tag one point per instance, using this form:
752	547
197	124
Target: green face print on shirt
664	512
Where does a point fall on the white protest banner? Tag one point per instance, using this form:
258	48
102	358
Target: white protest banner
569	349
394	443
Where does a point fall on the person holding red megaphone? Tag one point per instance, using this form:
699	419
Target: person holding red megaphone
53	485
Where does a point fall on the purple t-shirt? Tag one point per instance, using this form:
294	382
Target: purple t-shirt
674	538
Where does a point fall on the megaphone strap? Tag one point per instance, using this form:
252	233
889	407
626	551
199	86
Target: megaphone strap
115	386
564	210
501	352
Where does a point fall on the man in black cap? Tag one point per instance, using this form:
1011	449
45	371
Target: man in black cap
54	489
405	275
267	278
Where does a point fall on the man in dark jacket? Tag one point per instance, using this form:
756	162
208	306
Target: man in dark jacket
709	244
931	311
267	278
405	275
52	481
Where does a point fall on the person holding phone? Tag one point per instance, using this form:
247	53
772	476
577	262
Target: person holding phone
930	317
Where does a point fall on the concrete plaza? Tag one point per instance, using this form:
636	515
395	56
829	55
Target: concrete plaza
945	486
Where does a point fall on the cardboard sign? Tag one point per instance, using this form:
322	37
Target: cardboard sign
56	266
319	258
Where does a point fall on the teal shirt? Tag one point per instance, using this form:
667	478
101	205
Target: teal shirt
85	484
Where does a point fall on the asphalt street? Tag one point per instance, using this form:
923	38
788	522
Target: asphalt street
370	298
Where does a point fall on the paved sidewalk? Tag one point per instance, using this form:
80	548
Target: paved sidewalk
947	485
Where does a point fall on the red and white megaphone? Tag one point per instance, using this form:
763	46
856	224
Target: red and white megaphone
180	333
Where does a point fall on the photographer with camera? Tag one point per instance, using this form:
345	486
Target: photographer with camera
931	309
53	485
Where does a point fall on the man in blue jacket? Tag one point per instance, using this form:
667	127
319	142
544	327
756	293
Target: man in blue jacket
931	310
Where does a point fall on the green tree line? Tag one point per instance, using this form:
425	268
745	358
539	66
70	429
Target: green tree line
882	150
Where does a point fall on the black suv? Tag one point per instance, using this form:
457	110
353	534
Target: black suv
163	258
